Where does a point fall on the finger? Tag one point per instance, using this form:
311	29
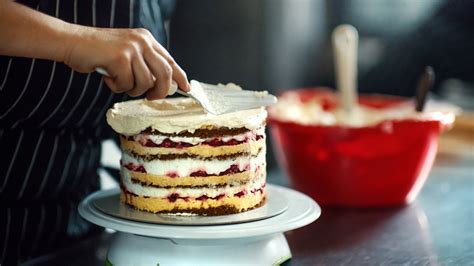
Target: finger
142	76
110	83
162	71
121	77
178	73
180	77
161	50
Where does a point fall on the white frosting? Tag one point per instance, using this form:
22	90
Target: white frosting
186	166
290	108
174	115
158	139
213	97
211	192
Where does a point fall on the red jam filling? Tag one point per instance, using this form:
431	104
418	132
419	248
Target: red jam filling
205	197
135	168
218	142
175	196
233	169
172	174
240	194
168	143
257	190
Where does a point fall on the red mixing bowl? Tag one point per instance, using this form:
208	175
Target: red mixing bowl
379	165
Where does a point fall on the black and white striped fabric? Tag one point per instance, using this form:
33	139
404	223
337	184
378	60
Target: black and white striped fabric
51	125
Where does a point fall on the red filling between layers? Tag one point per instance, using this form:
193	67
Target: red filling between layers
233	169
240	194
134	167
173	197
205	197
168	143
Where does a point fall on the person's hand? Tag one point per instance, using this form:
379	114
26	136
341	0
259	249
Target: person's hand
135	61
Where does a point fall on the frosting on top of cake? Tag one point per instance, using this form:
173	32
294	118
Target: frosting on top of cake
173	115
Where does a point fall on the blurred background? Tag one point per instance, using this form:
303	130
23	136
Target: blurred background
277	45
281	44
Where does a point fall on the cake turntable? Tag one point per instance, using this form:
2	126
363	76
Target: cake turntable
250	238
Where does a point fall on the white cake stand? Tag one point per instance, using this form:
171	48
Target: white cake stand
255	242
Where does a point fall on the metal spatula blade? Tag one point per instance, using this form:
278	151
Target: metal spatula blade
220	99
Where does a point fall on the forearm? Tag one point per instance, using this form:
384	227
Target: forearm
26	32
135	61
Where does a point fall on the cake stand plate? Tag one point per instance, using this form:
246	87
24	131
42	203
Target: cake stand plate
108	202
258	242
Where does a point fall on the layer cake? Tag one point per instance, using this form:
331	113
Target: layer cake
178	159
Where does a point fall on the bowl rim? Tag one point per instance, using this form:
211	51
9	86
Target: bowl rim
444	123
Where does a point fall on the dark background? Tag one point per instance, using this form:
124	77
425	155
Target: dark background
279	44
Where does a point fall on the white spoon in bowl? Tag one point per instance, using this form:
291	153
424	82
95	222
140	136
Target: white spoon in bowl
345	41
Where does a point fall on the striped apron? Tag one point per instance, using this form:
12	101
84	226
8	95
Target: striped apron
51	125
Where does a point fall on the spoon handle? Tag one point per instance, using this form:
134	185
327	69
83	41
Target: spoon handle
425	83
345	41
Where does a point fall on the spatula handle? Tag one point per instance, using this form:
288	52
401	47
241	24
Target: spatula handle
171	90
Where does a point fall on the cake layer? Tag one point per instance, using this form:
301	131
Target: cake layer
176	158
187	139
251	147
166	181
174	115
193	167
205	131
222	206
168	157
210	191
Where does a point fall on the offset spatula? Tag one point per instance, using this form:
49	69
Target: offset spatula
220	99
